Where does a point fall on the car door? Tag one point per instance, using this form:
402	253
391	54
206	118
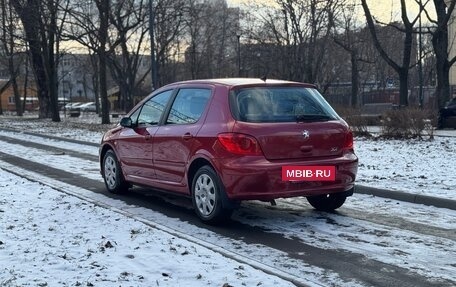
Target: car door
174	140
135	143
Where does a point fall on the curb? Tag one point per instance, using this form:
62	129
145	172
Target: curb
407	197
51	137
447	132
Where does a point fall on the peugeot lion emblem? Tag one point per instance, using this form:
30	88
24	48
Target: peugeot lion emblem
305	134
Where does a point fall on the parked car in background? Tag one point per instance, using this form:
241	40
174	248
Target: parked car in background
447	115
222	141
88	107
73	105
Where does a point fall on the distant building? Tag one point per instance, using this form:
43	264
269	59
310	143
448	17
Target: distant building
8	102
77	78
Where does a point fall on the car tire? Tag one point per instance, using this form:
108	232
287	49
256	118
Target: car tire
112	174
208	195
327	202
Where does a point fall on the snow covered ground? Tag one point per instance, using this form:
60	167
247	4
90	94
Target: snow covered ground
46	244
413	166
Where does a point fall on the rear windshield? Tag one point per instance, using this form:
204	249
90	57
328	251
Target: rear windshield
280	104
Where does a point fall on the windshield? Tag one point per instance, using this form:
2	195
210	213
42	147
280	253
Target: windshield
280	104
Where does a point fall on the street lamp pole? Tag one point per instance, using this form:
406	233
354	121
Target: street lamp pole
70	86
420	62
62	88
153	60
238	35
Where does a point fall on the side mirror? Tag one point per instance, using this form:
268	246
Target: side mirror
126	122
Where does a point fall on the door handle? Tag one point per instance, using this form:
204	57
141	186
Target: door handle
147	137
187	136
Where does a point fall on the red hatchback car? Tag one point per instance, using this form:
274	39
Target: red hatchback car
222	141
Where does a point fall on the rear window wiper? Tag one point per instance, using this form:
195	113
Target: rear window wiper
312	118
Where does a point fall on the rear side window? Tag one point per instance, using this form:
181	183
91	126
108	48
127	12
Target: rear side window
188	106
280	104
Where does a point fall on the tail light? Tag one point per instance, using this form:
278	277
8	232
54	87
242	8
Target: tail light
241	144
348	144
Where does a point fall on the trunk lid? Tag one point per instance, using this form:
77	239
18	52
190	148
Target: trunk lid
295	141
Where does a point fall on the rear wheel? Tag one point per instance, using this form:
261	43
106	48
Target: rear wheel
327	202
207	196
112	174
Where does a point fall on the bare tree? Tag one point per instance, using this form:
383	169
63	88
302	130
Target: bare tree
212	33
402	69
89	26
301	30
10	52
103	12
366	65
29	13
42	25
439	31
168	26
128	18
349	42
194	25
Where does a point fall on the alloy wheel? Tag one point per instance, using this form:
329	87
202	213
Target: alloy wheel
205	194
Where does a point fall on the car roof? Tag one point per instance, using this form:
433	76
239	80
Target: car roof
241	82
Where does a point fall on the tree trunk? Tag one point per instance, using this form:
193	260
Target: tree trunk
403	87
440	45
17	97
40	79
403	68
94	61
24	95
442	91
51	70
354	78
103	88
9	51
29	15
103	9
53	91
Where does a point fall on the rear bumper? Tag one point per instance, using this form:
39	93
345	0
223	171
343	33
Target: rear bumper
251	178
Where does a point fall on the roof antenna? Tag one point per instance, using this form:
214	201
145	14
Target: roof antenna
264	78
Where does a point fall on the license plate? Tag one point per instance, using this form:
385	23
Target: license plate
308	173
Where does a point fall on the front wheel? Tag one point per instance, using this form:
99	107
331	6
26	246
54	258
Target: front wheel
112	174
327	202
207	197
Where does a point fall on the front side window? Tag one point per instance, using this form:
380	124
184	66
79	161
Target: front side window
188	106
152	110
280	104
